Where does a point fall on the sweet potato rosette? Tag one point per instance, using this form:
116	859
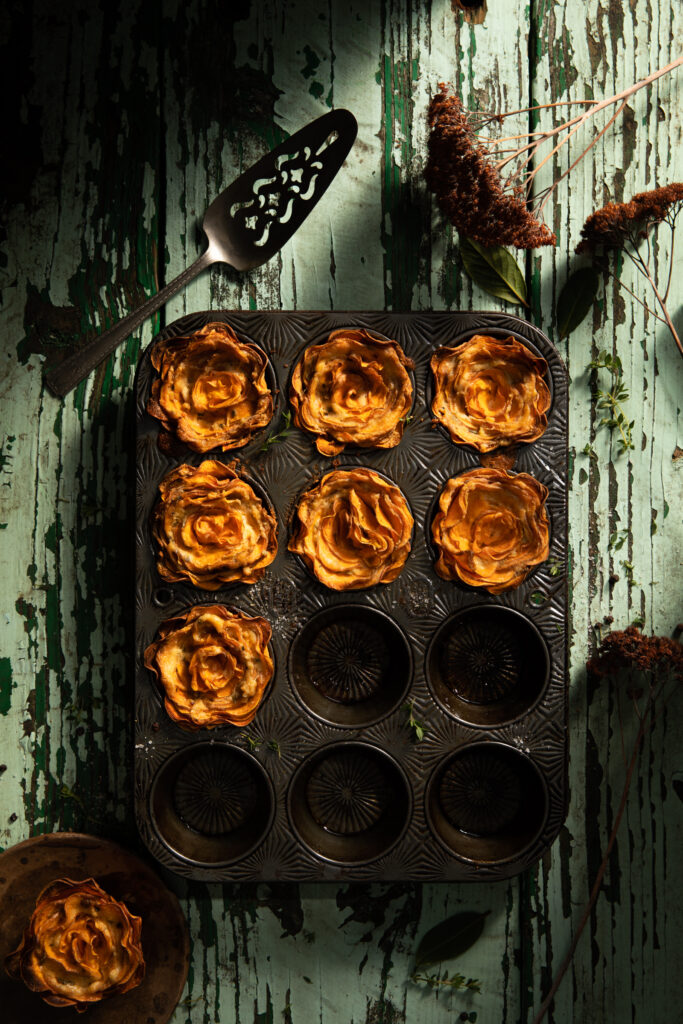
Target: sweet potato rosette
352	389
213	664
491	528
211	390
210	528
353	530
490	392
81	945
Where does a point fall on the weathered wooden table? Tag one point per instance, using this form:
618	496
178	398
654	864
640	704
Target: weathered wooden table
130	123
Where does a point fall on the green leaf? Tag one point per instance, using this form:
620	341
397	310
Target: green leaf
495	270
450	939
576	300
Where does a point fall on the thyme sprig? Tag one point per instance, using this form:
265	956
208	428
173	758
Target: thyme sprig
611	400
455	981
418	727
281	434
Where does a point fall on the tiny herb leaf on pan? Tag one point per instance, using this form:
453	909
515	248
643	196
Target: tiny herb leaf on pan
419	727
495	270
275	747
576	300
281	434
449	939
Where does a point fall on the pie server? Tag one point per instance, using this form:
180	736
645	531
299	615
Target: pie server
245	225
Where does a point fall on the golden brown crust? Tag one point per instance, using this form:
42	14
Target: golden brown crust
490	392
210	528
352	389
491	528
213	664
353	530
211	390
81	945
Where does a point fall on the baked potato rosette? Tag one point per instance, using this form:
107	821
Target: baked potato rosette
211	391
214	666
353	530
490	392
491	528
210	527
352	389
80	946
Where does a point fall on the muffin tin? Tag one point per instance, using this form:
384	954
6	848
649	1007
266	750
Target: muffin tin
331	779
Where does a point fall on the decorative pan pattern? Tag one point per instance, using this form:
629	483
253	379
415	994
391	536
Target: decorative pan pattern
330	780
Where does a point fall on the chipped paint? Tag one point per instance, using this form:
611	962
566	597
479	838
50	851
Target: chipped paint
124	147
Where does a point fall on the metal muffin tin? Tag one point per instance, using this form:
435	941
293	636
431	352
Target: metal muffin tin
330	780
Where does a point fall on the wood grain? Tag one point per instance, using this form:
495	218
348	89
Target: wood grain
132	120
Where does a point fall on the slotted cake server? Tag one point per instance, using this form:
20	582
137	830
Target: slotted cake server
245	225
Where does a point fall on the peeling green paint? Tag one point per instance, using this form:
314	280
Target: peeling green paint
6	685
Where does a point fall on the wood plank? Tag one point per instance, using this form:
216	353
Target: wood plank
595	51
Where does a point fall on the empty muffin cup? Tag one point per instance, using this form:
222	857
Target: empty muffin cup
349	803
211	804
487	802
487	665
350	665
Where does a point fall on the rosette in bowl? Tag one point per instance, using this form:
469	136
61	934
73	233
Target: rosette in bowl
353	530
490	392
211	389
211	528
352	389
80	946
491	528
213	664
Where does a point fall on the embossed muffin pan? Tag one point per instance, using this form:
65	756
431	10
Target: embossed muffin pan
330	780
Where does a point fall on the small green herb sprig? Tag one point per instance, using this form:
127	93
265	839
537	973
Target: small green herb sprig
447	941
419	728
617	540
281	434
455	981
254	743
610	401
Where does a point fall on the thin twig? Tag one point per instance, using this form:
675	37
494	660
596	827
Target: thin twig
579	158
642	302
644	269
571	126
671	224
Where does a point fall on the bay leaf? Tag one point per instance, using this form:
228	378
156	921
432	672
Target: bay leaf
495	270
576	300
450	939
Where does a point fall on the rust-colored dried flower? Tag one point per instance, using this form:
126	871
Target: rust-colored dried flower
211	389
211	528
657	656
626	226
490	392
491	528
616	224
213	664
353	530
81	945
352	389
468	185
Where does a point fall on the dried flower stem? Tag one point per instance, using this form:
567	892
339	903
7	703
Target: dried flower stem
527	152
644	269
